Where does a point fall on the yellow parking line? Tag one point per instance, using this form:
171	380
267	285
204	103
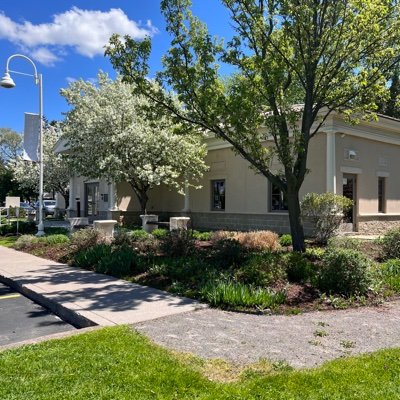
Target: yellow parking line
9	296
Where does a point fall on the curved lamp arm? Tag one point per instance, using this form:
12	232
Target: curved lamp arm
36	76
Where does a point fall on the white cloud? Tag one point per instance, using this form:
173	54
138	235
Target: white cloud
86	31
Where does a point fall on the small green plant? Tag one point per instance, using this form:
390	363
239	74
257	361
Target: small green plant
326	211
88	258
119	262
86	238
202	236
298	268
178	242
159	233
347	344
315	253
345	272
262	269
391	244
320	333
139	235
343	242
25	241
285	240
228	253
232	294
54	239
390	274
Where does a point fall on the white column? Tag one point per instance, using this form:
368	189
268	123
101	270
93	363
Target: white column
330	162
112	197
186	205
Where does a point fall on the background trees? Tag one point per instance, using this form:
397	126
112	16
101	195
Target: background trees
114	135
327	55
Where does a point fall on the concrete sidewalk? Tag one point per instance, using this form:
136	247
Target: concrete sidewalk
84	298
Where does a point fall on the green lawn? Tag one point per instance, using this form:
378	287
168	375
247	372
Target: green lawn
8	241
116	363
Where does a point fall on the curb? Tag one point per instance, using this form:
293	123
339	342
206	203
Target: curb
71	317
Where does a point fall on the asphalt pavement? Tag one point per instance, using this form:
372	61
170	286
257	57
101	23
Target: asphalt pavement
22	319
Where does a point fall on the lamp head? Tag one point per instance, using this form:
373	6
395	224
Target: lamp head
7	82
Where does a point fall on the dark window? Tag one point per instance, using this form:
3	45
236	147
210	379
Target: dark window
218	195
278	199
381	195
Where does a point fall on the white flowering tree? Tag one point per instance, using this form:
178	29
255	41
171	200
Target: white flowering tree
117	136
56	169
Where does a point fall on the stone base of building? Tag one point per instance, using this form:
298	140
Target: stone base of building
222	221
377	224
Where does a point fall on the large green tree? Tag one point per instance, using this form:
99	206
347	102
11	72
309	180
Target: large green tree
115	135
327	55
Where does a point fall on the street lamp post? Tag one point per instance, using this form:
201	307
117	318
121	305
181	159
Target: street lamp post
8	83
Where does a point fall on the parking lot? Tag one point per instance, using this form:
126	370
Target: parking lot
22	319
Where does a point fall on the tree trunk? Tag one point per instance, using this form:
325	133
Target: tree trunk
296	226
65	195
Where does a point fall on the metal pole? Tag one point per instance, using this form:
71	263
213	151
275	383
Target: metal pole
41	158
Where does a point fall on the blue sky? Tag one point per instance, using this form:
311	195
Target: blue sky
65	39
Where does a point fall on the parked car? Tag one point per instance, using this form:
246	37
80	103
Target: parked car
48	207
29	209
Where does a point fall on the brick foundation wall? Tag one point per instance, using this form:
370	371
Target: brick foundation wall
377	224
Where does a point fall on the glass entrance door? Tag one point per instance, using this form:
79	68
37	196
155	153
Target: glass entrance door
91	199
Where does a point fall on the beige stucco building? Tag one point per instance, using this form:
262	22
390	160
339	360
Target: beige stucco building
360	161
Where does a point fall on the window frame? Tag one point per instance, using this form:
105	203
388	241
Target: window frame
212	193
281	200
381	195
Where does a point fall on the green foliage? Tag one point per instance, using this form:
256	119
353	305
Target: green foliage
89	257
138	235
178	242
228	252
391	244
233	294
57	230
285	240
122	237
298	267
390	273
119	262
315	253
261	269
54	239
85	238
343	242
326	211
160	233
25	241
345	272
23	228
202	236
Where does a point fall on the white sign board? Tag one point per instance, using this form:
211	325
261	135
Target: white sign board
12	201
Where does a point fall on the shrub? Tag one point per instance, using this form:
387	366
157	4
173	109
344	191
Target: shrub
25	241
217	236
315	253
391	244
54	239
89	257
390	273
262	269
86	238
285	240
160	233
24	227
57	230
326	211
258	240
345	272
228	252
139	235
343	242
202	236
122	237
298	268
119	262
178	242
231	294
